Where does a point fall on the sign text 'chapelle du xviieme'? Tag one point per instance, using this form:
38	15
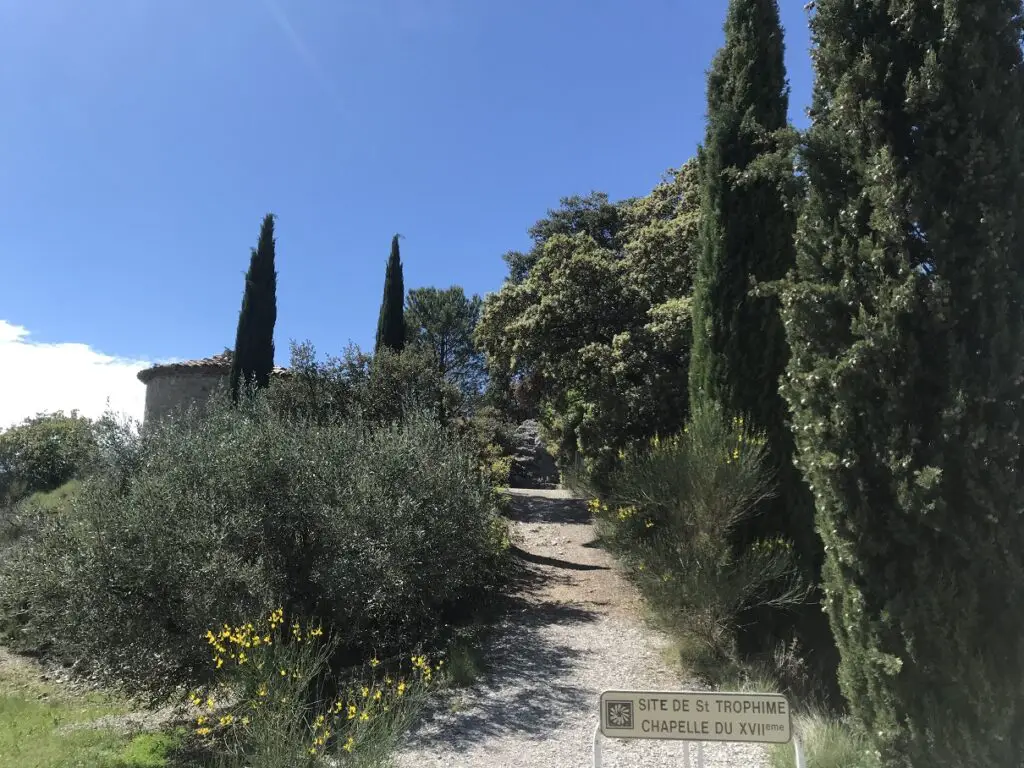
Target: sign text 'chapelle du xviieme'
696	716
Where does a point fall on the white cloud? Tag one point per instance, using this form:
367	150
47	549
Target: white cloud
37	377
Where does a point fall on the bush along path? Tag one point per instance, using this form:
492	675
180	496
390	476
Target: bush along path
572	631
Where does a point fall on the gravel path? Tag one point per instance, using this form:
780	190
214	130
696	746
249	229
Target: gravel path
573	631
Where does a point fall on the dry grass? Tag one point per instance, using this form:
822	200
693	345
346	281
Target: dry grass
828	742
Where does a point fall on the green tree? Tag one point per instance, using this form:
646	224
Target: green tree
253	358
600	327
906	378
591	214
521	388
747	237
443	320
391	323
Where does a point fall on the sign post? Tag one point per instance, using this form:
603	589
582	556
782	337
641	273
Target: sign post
698	716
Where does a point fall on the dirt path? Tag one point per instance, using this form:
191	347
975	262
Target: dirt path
574	631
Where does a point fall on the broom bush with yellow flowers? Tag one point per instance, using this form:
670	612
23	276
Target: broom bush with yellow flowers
670	513
275	702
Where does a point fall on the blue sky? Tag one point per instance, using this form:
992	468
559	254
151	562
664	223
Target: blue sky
143	142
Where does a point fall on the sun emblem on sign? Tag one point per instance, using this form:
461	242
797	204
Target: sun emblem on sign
619	714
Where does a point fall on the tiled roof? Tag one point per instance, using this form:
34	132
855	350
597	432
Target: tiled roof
216	364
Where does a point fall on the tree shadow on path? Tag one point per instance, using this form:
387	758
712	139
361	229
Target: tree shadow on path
531	687
554	562
528	690
544	509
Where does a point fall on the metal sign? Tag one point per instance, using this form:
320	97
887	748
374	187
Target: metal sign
698	716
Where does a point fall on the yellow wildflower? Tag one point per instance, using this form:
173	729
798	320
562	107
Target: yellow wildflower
347	746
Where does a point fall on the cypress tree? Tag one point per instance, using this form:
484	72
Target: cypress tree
391	323
747	228
253	358
906	378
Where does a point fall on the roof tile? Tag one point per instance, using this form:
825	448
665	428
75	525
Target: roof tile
215	364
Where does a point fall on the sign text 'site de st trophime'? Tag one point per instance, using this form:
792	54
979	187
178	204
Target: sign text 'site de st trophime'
696	716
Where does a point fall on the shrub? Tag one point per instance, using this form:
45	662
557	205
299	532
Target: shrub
22	518
490	433
44	452
399	381
671	512
379	388
387	532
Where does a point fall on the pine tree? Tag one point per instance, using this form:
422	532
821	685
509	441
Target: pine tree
747	236
906	378
253	358
391	324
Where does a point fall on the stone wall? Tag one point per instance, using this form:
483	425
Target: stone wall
168	391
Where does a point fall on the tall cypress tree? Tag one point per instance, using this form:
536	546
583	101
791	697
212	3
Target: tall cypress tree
906	378
253	358
391	323
748	193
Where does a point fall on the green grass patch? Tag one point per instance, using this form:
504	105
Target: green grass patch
37	729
